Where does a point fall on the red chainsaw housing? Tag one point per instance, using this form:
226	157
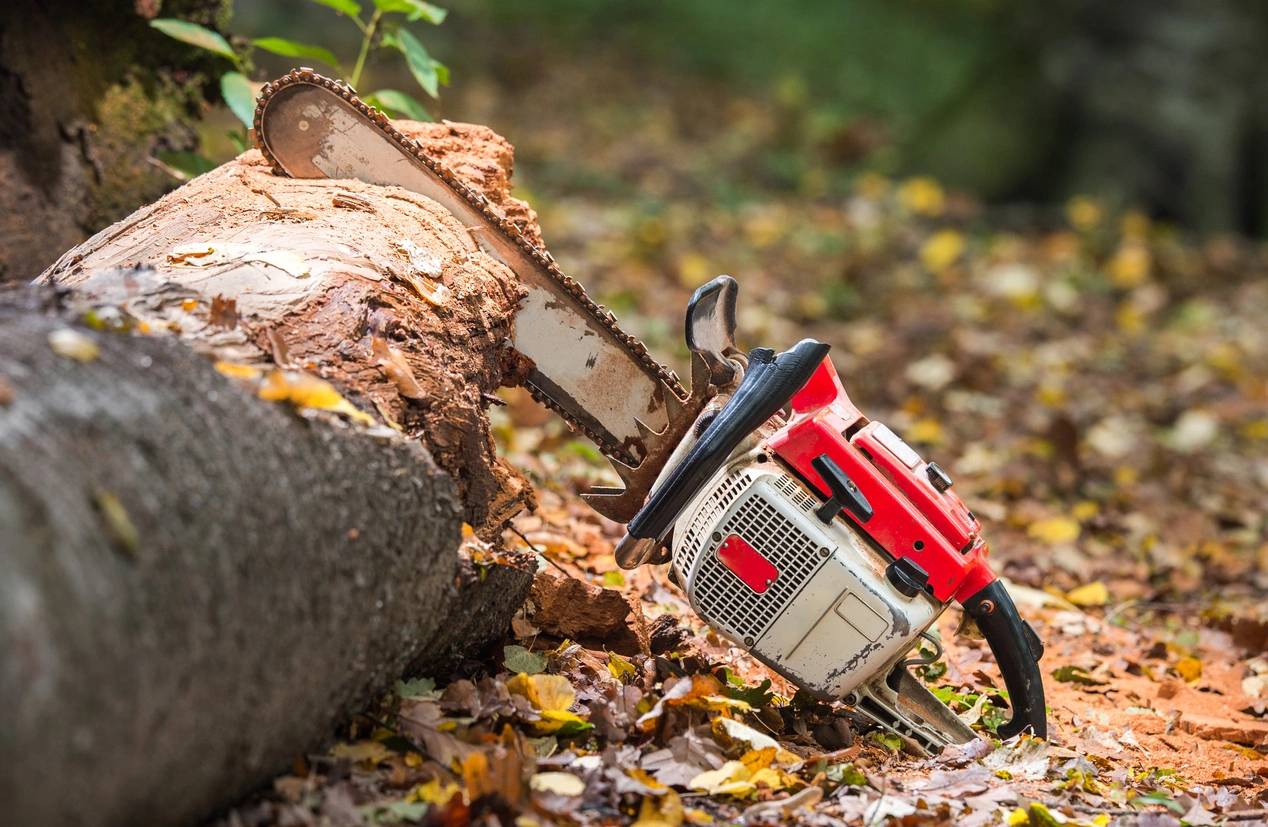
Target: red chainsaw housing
910	517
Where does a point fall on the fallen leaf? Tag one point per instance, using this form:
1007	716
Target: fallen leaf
224	312
362	752
119	526
1077	674
1189	668
235	370
518	659
620	668
308	392
73	345
1055	530
1089	595
660	811
551	696
559	783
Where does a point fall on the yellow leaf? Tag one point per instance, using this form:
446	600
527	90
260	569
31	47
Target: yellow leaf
362	752
923	196
1189	668
941	250
434	792
620	667
1130	265
1083	213
694	270
235	370
1055	530
661	811
1018	817
927	431
553	720
73	345
306	391
559	783
1085	510
711	781
544	692
1091	594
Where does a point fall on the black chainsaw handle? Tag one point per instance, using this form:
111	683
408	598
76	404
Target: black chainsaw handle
769	382
1017	650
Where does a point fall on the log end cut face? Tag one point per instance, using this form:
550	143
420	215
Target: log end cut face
376	290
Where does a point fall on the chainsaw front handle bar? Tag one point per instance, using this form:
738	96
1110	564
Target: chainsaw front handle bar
769	382
1017	650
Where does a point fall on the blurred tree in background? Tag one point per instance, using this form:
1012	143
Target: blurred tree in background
1161	105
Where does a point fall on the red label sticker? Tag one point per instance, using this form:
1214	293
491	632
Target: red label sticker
747	563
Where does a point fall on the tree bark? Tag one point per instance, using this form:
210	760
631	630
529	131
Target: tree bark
196	583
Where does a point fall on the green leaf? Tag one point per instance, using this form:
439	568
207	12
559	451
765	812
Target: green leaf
348	7
847	774
417	688
289	48
414	9
194	35
755	696
186	165
239	96
1077	674
519	659
888	740
398	104
425	69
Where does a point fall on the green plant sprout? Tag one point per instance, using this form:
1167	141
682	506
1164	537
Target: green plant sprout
385	28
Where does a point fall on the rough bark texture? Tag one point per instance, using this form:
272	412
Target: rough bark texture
377	289
89	94
196	585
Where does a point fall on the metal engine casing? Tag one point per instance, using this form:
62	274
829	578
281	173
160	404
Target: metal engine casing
830	619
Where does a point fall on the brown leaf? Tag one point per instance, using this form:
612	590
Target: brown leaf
224	312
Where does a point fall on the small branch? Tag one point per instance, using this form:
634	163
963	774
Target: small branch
366	40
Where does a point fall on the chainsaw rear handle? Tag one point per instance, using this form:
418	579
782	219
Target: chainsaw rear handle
1017	650
769	382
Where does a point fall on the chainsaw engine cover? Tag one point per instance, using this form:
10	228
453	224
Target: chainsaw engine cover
810	600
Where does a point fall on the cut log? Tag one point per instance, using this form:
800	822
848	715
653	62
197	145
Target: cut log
197	583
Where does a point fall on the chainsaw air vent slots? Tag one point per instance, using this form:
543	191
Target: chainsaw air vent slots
814	538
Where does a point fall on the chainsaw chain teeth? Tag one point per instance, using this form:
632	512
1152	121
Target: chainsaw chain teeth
510	230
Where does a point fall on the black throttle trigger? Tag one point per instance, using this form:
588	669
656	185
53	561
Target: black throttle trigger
844	493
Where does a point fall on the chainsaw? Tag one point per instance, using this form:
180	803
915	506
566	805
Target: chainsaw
812	537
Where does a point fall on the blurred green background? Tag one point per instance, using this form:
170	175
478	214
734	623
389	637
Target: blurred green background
1160	104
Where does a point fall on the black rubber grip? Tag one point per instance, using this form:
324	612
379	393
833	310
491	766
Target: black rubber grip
1017	650
769	382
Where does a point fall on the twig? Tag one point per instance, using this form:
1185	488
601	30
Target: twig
540	553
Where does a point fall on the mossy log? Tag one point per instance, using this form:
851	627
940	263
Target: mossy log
197	583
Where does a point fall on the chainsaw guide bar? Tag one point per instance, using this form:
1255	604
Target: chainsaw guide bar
601	380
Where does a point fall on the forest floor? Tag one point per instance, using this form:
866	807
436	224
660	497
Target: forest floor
1096	382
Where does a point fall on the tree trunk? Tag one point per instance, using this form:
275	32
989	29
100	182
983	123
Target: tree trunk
88	94
197	583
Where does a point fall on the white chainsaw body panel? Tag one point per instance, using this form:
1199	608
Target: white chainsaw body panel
829	619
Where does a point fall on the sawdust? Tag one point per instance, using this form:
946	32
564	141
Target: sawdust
319	271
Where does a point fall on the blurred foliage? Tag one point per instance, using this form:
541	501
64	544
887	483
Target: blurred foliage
383	26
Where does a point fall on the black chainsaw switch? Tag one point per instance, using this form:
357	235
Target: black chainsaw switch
845	493
907	576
